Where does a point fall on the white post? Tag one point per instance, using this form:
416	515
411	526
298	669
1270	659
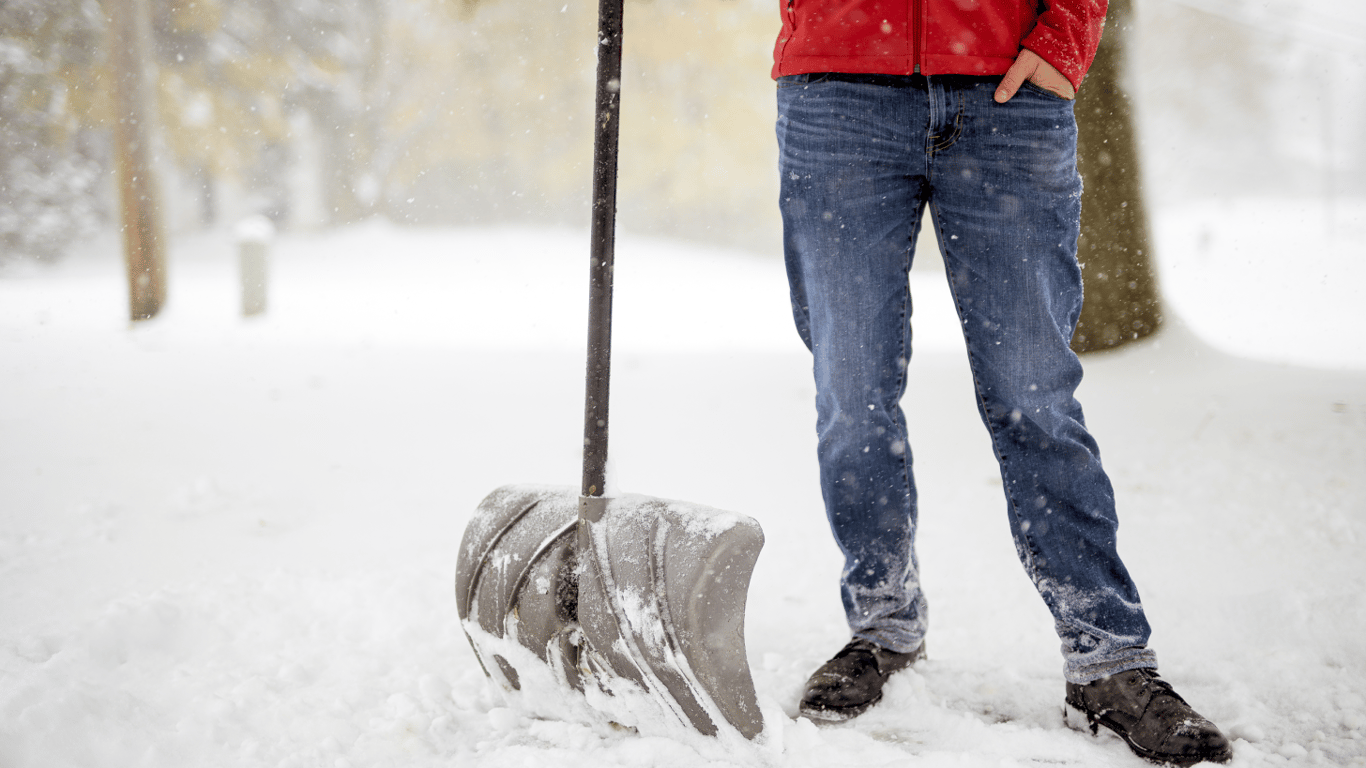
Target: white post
254	234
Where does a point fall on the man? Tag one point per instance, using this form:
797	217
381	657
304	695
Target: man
965	106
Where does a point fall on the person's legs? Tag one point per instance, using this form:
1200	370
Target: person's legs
1006	203
851	200
858	162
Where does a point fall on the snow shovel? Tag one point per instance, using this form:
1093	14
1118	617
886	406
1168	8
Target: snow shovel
636	602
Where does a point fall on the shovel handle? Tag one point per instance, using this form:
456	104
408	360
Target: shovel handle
606	112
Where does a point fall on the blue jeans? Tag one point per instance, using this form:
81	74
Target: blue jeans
860	158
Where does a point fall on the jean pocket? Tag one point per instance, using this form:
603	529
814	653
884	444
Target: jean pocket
1041	91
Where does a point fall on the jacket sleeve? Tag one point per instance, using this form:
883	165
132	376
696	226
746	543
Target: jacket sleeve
1067	35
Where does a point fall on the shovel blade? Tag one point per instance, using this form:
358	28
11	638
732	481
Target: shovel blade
632	601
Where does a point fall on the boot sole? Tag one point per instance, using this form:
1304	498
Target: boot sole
1079	720
836	715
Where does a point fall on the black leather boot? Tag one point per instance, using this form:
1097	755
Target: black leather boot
851	682
1153	720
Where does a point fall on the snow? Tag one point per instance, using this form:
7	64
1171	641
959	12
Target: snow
1271	279
232	541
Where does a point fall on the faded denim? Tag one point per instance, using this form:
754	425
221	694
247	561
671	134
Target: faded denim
860	159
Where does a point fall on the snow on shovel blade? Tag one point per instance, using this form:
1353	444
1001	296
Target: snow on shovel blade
639	606
515	579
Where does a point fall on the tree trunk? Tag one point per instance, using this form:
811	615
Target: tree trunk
1122	302
140	210
352	118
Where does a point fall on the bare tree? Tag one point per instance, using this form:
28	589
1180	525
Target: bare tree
140	210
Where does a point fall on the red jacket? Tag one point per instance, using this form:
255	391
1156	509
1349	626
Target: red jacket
935	37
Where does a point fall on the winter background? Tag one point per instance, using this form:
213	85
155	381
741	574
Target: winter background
229	541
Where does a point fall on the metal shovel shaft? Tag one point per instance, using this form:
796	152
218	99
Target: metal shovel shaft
607	124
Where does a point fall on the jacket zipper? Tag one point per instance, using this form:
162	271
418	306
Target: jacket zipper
917	9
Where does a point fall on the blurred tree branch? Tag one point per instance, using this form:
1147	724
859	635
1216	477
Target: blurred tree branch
51	153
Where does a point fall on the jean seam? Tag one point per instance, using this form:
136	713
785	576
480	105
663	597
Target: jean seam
904	360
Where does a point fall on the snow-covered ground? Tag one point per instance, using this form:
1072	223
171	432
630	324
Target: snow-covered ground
232	542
